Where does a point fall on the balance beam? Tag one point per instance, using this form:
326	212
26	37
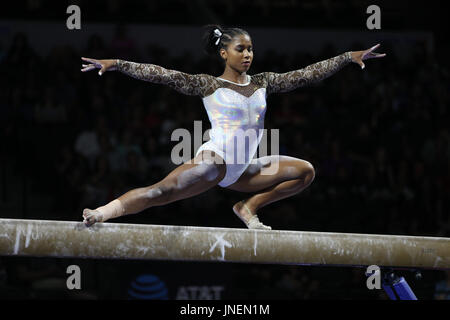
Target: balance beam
39	238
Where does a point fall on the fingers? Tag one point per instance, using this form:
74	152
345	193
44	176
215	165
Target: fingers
93	65
369	54
89	60
360	56
375	54
87	67
372	55
379	55
374	47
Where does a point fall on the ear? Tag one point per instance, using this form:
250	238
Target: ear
223	54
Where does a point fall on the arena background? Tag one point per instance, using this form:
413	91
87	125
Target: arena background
378	139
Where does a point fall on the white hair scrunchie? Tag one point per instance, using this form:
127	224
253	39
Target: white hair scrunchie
218	34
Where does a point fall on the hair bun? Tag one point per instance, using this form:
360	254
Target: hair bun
215	37
211	38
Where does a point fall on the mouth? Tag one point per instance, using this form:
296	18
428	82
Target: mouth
246	63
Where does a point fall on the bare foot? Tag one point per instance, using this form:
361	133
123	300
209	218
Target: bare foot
250	219
91	217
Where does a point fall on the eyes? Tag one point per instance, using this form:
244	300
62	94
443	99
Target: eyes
241	49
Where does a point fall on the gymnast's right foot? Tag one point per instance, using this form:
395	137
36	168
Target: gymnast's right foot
250	219
91	216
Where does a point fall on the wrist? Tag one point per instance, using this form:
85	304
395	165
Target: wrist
351	56
115	64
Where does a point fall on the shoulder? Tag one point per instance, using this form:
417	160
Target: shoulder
261	79
206	78
206	83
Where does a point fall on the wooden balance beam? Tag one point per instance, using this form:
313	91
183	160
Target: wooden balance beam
40	238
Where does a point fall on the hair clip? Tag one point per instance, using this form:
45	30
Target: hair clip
218	34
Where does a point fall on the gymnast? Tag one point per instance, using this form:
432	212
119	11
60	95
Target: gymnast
235	102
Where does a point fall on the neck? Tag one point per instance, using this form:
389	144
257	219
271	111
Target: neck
233	75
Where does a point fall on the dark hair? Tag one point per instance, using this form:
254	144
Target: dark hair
210	38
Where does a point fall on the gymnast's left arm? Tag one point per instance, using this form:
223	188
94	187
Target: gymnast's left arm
284	82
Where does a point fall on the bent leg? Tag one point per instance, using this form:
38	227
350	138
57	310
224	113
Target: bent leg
189	179
291	177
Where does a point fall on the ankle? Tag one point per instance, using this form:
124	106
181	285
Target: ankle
244	210
112	210
249	209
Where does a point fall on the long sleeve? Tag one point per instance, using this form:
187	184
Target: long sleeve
188	84
284	82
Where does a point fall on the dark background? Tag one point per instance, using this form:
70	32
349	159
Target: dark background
378	139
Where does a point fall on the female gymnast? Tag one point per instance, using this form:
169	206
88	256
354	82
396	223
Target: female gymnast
235	102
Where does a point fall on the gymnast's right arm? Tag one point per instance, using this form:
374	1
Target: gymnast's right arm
182	82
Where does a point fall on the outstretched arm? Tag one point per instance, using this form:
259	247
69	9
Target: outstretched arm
182	82
284	82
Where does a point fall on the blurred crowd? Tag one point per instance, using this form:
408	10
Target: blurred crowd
378	139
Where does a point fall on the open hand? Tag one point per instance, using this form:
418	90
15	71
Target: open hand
359	56
103	65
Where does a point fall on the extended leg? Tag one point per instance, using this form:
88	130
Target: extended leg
186	181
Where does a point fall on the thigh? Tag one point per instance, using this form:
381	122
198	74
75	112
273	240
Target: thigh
267	171
196	176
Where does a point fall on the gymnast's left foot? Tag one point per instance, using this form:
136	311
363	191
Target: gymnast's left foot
91	216
250	219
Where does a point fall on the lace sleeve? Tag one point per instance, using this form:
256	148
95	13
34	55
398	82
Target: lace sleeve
189	84
284	82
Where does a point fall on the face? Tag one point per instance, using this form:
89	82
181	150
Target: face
239	53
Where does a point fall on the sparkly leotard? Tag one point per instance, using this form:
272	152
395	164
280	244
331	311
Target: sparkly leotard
236	111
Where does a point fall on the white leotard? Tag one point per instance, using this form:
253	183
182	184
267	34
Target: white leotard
237	123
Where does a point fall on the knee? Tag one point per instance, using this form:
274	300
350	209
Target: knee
303	173
301	170
309	172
